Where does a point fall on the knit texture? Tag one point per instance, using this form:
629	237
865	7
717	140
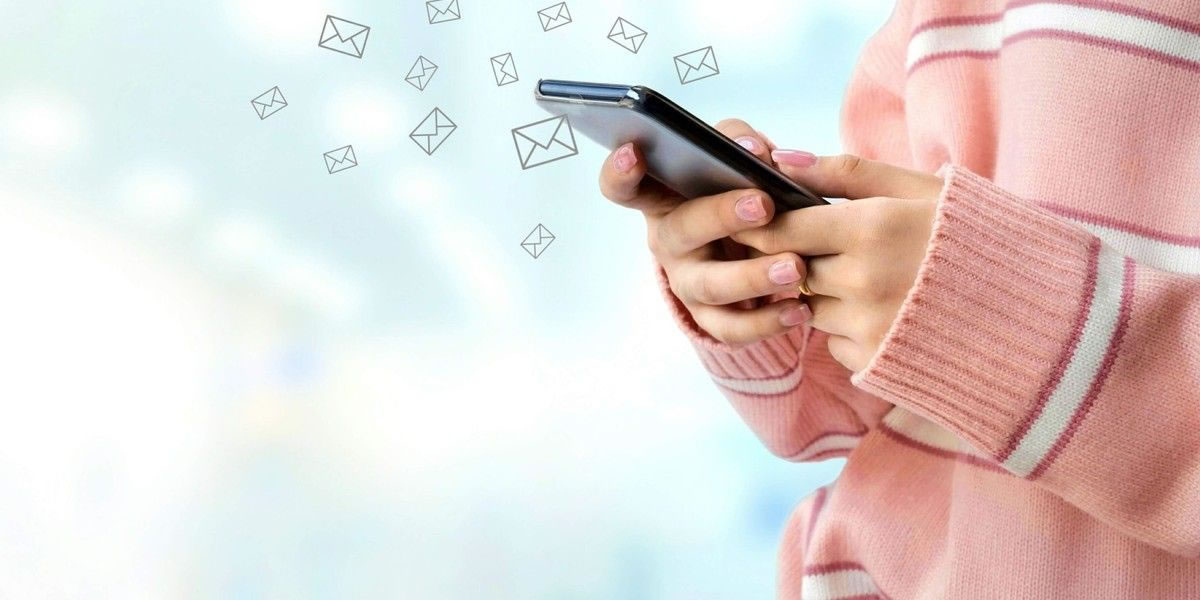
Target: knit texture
1030	427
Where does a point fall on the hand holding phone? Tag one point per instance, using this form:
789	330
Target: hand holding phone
732	293
680	150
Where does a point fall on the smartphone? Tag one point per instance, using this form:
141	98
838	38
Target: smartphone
682	152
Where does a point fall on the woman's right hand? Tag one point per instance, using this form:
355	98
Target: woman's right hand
716	279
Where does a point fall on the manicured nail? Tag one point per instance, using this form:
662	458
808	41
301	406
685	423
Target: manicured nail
795	315
750	208
624	159
749	143
794	158
783	272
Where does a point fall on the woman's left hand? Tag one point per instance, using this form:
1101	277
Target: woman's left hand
863	254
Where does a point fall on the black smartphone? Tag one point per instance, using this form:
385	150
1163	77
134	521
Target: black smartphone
682	152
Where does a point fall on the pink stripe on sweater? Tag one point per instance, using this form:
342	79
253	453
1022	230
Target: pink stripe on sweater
833	567
979	54
1190	241
1106	43
1110	356
1062	35
831	453
940	452
958	21
1115	7
1064	358
983	19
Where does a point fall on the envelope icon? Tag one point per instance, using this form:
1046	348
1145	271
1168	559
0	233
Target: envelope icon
544	141
344	36
269	103
421	72
340	159
627	35
433	131
555	16
442	11
696	65
537	241
504	69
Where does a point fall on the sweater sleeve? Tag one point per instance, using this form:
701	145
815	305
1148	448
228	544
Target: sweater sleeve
788	389
1072	365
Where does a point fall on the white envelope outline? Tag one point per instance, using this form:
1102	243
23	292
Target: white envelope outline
271	100
421	72
340	159
504	69
545	141
441	11
627	35
696	65
537	241
344	36
554	16
433	131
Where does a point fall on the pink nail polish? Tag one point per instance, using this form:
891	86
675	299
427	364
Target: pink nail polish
749	143
750	208
794	158
624	159
795	316
783	272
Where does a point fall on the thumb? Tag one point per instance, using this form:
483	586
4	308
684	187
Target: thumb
852	177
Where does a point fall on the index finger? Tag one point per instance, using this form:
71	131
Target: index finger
810	231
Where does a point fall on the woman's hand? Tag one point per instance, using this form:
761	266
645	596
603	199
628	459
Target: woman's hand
865	252
715	279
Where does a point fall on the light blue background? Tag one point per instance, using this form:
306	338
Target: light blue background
232	375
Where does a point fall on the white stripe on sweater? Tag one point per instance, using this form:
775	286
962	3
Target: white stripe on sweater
770	385
1082	369
836	441
1148	251
838	584
1091	21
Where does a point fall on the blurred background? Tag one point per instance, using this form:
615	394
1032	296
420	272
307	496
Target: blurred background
227	373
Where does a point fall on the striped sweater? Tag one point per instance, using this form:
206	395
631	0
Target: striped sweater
1030	427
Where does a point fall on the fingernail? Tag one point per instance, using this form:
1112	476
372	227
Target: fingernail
783	273
794	158
795	315
625	158
750	208
749	143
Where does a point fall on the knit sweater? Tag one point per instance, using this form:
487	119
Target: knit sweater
1030	426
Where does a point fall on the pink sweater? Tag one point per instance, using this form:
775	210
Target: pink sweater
1030	427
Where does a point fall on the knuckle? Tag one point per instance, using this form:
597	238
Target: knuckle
772	239
847	165
720	329
763	328
673	283
703	288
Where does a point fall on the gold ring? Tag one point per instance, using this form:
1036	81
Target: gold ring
803	287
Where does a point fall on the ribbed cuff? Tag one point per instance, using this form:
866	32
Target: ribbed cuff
991	313
761	360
